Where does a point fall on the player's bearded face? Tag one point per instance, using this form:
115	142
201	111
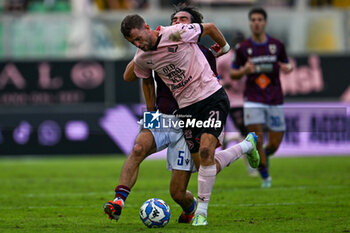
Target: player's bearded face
141	38
257	23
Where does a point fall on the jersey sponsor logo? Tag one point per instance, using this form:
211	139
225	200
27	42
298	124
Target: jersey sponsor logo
262	59
262	81
173	73
181	84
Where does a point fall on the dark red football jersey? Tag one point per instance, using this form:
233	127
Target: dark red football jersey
264	85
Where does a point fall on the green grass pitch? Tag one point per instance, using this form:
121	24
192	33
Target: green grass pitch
67	195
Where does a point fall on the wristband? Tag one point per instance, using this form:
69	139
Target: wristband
226	48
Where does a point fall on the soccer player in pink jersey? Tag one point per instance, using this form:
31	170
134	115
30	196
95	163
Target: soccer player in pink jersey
173	53
155	139
260	58
178	156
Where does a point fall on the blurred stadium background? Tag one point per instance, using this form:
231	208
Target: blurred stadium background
61	66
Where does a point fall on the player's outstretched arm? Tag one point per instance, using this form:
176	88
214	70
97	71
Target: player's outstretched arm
149	93
211	30
129	75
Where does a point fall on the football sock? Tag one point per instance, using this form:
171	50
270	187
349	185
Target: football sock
226	157
246	146
191	209
206	180
268	153
122	192
264	172
202	208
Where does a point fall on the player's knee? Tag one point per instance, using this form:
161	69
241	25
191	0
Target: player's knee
204	152
138	150
272	147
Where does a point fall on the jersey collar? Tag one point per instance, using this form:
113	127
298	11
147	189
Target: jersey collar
259	44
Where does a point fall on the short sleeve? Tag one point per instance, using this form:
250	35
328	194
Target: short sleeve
283	54
140	71
190	32
238	58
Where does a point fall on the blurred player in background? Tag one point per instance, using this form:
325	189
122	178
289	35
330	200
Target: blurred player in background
234	90
261	58
151	140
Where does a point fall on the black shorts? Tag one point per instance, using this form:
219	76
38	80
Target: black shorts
212	112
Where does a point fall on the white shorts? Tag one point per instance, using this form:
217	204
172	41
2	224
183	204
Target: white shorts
178	155
270	115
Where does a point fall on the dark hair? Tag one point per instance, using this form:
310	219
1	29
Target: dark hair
130	22
196	17
258	11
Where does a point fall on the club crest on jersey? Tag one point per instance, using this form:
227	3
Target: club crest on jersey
272	48
250	51
173	49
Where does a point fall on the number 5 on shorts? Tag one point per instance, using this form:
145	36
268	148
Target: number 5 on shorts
180	159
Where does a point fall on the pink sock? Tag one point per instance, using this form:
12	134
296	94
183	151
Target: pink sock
206	180
226	157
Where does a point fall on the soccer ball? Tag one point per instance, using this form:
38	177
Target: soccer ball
155	213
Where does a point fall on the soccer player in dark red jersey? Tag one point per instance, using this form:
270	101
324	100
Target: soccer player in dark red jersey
261	58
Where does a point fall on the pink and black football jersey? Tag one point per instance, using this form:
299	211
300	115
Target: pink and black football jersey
180	64
165	101
264	85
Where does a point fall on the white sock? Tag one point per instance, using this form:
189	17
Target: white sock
202	208
246	146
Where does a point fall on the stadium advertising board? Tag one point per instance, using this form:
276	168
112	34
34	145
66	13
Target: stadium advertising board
312	129
317	78
54	82
54	107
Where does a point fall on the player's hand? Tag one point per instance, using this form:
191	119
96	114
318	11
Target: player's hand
249	67
285	67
